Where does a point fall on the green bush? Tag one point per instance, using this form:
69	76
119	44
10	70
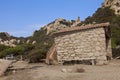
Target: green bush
36	55
3	47
15	51
27	47
101	15
116	52
23	49
44	42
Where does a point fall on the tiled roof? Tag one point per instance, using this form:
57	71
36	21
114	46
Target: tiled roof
89	26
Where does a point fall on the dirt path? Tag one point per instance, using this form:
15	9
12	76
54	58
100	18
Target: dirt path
45	72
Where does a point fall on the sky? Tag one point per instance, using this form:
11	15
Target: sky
21	18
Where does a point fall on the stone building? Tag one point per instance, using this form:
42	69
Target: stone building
90	42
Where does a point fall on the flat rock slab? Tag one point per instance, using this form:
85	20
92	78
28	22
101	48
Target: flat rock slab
20	65
4	64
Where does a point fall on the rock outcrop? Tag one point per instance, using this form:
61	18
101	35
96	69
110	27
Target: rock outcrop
7	40
61	23
10	42
113	4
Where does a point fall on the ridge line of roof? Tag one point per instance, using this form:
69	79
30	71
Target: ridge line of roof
79	28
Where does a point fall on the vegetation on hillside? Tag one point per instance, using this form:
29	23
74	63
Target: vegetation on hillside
107	15
43	43
32	52
23	49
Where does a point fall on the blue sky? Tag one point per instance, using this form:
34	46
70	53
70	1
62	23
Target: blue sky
23	17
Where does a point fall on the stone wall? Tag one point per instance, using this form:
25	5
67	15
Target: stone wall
82	45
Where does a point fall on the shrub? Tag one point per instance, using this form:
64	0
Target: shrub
36	55
116	52
3	47
15	51
27	47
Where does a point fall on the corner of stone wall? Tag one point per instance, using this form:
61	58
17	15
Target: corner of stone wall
101	60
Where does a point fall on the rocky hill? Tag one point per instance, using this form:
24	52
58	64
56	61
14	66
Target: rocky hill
60	24
113	4
43	35
4	35
8	40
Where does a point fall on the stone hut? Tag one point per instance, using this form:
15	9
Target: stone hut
90	42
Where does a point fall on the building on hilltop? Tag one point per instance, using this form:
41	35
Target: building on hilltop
90	42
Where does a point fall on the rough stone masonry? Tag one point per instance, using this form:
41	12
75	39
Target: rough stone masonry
84	43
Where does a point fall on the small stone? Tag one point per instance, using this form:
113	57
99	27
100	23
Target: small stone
73	55
98	48
64	70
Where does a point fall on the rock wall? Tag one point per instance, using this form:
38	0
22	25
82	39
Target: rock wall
8	42
15	42
82	45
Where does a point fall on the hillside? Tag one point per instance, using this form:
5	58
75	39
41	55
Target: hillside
43	35
8	40
113	4
107	14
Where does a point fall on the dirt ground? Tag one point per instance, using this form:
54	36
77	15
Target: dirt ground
52	72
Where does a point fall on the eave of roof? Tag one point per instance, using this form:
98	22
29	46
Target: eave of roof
80	28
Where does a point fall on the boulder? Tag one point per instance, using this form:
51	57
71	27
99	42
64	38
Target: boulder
4	64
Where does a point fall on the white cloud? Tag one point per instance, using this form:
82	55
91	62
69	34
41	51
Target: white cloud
19	33
25	31
36	26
